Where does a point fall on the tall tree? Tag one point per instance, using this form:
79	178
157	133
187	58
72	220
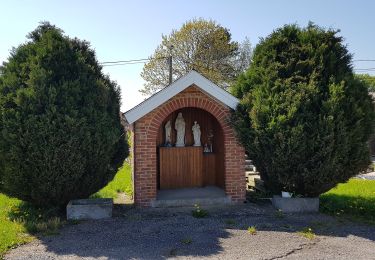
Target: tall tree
304	118
202	45
60	131
242	61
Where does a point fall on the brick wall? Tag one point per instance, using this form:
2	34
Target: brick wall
145	139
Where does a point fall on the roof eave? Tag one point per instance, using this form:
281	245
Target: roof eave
192	78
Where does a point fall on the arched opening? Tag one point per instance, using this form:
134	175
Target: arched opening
189	166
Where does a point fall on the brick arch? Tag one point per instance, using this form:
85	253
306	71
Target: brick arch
175	104
145	139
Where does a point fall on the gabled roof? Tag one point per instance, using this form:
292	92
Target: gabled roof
176	87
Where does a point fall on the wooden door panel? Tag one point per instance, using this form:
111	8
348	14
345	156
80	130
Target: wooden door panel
209	169
181	167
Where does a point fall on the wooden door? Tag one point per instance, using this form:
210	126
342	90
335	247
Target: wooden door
209	169
181	167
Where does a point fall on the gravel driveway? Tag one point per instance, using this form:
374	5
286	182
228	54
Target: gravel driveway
174	233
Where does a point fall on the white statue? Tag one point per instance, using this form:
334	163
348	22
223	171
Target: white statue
197	134
179	125
168	133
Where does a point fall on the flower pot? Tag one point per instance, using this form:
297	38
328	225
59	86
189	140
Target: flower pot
286	194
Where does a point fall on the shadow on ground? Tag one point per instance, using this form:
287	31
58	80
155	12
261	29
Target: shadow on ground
164	233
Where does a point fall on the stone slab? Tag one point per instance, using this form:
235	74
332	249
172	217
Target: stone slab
89	209
188	197
296	205
204	202
191	193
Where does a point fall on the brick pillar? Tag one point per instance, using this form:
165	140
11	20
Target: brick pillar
145	167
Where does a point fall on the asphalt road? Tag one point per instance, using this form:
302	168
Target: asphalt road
160	234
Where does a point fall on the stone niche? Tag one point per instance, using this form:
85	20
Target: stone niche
190	166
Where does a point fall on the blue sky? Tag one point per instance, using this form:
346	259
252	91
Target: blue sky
125	30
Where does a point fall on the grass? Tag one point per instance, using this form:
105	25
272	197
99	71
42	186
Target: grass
279	214
122	182
252	230
19	221
354	200
198	212
307	233
12	233
187	241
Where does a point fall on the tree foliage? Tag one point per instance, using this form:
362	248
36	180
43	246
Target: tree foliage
199	45
243	60
367	79
304	118
60	131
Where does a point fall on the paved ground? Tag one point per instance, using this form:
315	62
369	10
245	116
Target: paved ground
159	234
367	176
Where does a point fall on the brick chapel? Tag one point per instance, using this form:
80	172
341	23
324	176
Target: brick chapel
182	139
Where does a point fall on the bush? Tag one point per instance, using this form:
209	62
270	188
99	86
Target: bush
60	131
303	118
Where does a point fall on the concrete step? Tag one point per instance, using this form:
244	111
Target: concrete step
250	179
250	168
168	203
250	173
188	197
247	162
259	185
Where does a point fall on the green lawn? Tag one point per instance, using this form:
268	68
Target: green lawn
122	182
12	233
18	220
354	200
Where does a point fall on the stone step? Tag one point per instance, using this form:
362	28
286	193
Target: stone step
259	184
250	173
202	202
248	162
250	168
254	182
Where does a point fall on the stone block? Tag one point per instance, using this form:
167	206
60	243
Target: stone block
89	209
296	205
